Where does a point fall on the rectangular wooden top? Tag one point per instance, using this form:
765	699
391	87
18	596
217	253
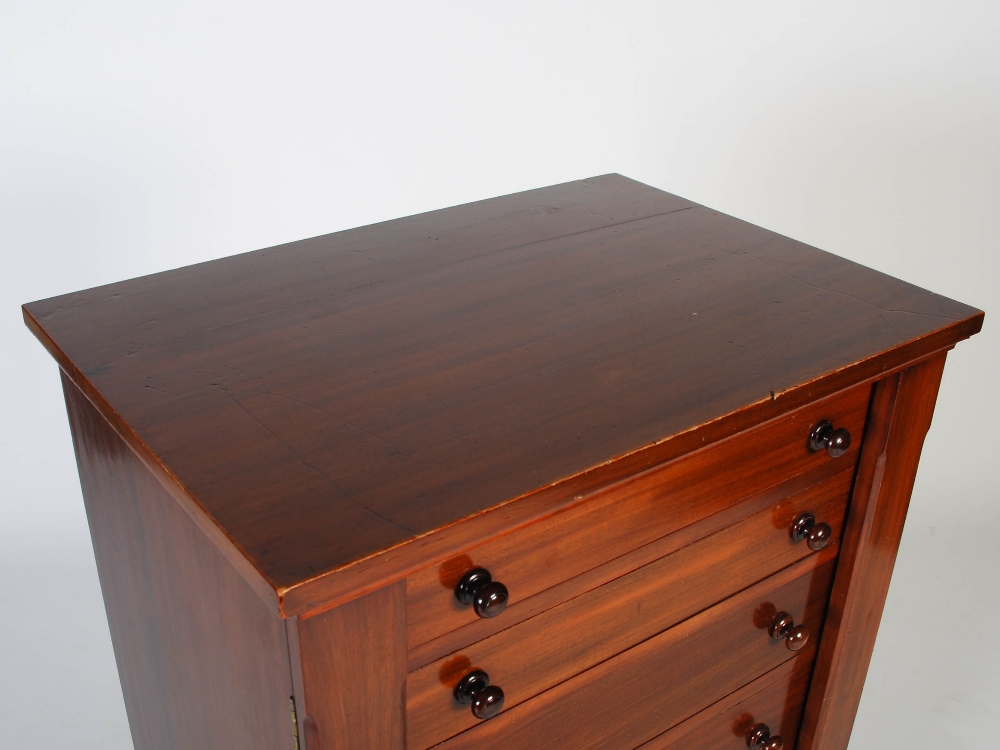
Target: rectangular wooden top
325	401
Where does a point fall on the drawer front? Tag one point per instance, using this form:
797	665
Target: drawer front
634	697
775	700
549	649
630	515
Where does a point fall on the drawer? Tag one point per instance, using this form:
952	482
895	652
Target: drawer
632	514
549	649
652	687
775	700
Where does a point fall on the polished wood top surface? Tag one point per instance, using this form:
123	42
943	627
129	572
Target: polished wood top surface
330	399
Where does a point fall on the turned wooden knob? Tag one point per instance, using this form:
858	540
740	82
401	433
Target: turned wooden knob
817	535
487	597
836	441
784	628
760	739
475	690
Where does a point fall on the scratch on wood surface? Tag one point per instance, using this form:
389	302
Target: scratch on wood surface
845	294
341	420
294	454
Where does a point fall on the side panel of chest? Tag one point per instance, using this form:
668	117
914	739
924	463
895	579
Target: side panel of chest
203	661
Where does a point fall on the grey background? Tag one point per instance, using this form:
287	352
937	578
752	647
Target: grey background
138	137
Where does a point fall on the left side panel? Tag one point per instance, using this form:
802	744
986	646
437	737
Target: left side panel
203	661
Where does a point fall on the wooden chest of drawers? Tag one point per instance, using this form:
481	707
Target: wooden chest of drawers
583	467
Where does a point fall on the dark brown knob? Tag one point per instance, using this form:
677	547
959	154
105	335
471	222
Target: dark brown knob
475	690
487	597
818	535
836	442
784	628
760	739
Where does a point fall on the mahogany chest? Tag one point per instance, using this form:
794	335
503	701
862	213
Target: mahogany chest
590	466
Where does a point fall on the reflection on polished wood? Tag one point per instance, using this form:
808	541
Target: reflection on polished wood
678	672
660	501
775	699
483	476
539	653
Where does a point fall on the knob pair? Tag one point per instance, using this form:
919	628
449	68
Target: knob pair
487	597
835	441
816	535
475	689
783	627
760	739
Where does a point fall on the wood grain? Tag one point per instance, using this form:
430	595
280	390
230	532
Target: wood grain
901	413
349	669
776	699
203	662
549	649
634	697
636	513
336	586
328	401
619	566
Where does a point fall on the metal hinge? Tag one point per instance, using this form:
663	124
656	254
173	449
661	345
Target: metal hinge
295	723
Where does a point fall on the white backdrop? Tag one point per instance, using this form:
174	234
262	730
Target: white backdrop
137	137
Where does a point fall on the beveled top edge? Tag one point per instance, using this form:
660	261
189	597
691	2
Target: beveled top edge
289	587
